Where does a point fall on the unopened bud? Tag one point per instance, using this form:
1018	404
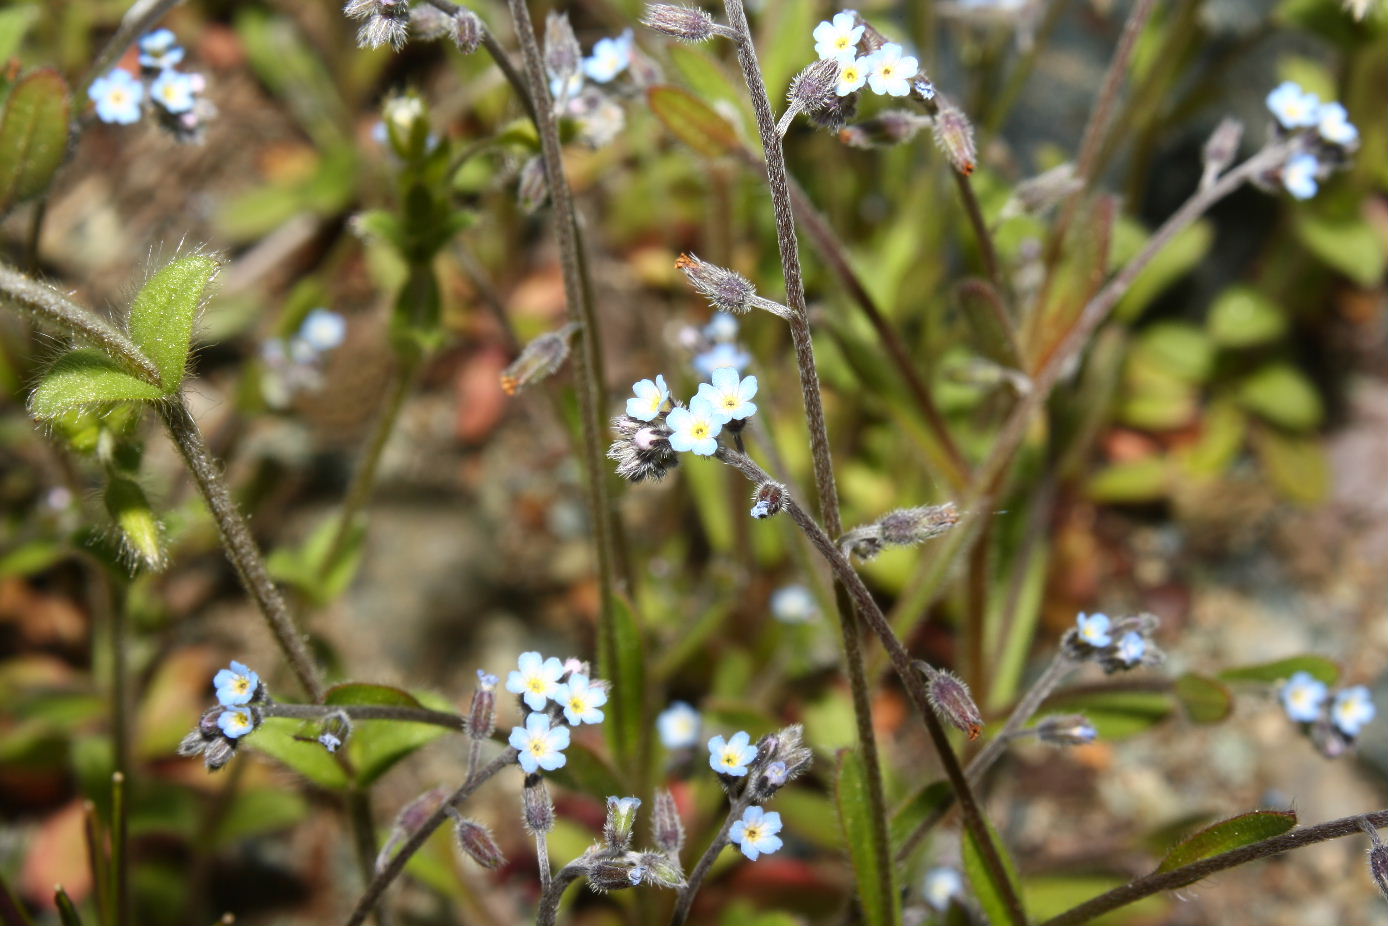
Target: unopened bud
407	125
955	136
642	449
336	728
219	752
532	192
615	874
1378	855
539	360
538	808
621	820
814	87
1066	730
1040	193
768	500
1220	150
908	526
949	696
892	127
681	22
408	821
563	55
386	22
724	289
666	826
476	842
139	528
837	113
660	870
481	715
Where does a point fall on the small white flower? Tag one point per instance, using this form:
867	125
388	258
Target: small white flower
730	396
1353	708
1094	629
580	700
649	397
853	73
323	330
794	604
1294	108
940	886
1299	176
1132	647
1303	696
1332	121
731	757
695	428
838	38
537	680
539	746
755	833
678	726
173	91
890	71
610	57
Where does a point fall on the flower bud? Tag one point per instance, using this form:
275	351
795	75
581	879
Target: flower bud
954	134
1221	149
660	870
1066	730
814	87
476	842
892	127
533	190
666	826
681	22
1040	193
385	22
538	808
539	360
621	820
768	499
949	696
219	752
408	821
481	716
141	534
336	728
563	55
908	526
1378	855
642	449
724	289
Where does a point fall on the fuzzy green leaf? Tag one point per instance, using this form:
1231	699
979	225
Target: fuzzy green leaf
140	530
83	378
363	693
992	327
1318	666
917	809
1228	835
1204	699
626	705
988	891
162	316
1281	394
693	122
33	136
855	815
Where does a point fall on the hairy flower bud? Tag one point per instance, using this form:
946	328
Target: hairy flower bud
681	22
219	752
1066	730
950	697
1221	149
476	842
903	527
892	127
1040	193
814	87
768	500
660	870
408	821
1378	855
837	113
642	449
385	22
539	360
724	289
335	730
538	808
621	820
481	715
955	136
666	826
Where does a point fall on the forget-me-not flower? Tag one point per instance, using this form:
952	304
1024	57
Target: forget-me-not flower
580	700
174	91
540	746
1294	107
838	38
236	685
610	57
940	886
1353	708
1332	122
794	604
890	70
117	97
721	328
695	428
678	726
731	757
755	833
537	679
724	354
1132	647
730	396
323	330
650	396
1094	629
1303	696
159	50
853	73
236	722
1299	175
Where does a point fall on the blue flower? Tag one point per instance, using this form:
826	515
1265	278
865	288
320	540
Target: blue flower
117	97
580	700
236	722
236	685
1353	708
940	886
890	70
539	746
722	355
323	330
610	57
159	50
537	681
1299	175
695	428
755	833
731	757
648	399
486	681
838	38
330	741
1094	629
730	397
722	328
678	726
1332	122
1132	647
174	91
1293	107
1303	696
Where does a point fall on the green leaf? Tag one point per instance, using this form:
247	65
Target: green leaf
855	815
139	526
376	745
1171	263
303	566
1244	317
1348	243
917	809
1222	432
988	891
349	693
1228	835
1144	480
1205	700
84	378
1052	895
1282	669
260	810
162	316
1294	464
33	136
14	25
275	738
1281	394
626	724
992	326
1118	714
1182	350
693	122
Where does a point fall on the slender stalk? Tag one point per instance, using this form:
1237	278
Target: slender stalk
240	546
137	20
542	862
550	897
67	910
910	678
701	868
99	864
392	869
827	491
364	838
986	249
48	305
1188	874
11	909
120	839
1059	667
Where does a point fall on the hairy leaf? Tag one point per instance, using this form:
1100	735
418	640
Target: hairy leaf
1228	835
693	122
988	891
162	316
33	136
855	815
84	378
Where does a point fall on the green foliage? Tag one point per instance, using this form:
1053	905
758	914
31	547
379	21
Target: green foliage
988	890
851	792
1282	669
1228	835
33	131
1282	395
306	566
163	313
627	723
1206	700
693	122
15	23
84	379
918	807
1243	317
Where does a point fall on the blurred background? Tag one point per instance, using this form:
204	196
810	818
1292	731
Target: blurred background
1219	461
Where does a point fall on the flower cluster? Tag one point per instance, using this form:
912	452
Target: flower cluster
886	69
581	86
295	364
1323	134
1115	645
752	774
1333	722
654	427
174	96
550	688
240	693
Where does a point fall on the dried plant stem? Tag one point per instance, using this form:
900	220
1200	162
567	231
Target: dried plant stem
911	679
701	868
799	322
392	869
240	546
1160	881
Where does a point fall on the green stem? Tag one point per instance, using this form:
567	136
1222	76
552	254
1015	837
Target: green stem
364	839
701	868
120	837
364	712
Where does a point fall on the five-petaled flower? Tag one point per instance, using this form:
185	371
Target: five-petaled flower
580	700
731	757
174	91
1353	708
117	97
1303	696
730	396
1332	122
235	686
755	833
323	330
1094	629
539	745
853	73
1299	175
1132	647
1294	107
649	397
236	722
537	679
891	70
610	57
159	50
678	726
839	37
695	428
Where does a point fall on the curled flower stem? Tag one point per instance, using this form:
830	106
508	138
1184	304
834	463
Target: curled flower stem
701	868
911	679
549	898
1188	874
419	837
364	712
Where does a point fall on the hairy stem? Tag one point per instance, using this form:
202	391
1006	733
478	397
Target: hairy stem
549	898
987	251
240	546
701	868
392	869
364	712
1189	874
542	862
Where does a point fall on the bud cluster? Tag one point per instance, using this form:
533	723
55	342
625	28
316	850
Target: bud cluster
642	449
903	527
462	27
241	697
781	758
1115	645
725	289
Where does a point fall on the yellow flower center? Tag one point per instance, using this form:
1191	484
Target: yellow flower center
731	758
888	70
577	704
242	685
753	832
536	684
851	73
243	719
700	431
842	42
537	747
